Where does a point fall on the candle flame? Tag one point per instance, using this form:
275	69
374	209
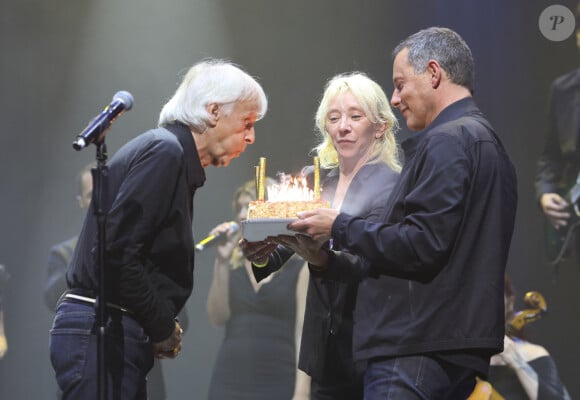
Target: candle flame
290	189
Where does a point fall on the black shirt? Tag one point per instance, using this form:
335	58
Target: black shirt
149	242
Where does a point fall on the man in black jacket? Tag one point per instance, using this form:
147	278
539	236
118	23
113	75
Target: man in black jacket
149	245
430	313
59	257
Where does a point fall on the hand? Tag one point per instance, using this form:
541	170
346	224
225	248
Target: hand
306	247
257	252
225	249
170	347
317	223
553	206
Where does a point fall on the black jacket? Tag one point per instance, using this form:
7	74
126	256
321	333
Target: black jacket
149	252
439	257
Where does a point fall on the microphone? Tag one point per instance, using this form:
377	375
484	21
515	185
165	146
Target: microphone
219	237
122	101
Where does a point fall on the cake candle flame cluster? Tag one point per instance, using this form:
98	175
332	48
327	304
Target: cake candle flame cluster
286	198
290	189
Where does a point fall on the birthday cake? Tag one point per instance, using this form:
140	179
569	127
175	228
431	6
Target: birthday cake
282	209
284	201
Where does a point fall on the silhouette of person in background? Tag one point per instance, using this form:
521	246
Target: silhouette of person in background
58	259
558	167
263	320
60	254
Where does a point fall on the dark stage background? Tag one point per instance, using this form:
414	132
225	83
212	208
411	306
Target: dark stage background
63	60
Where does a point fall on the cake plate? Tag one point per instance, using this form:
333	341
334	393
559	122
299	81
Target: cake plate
258	229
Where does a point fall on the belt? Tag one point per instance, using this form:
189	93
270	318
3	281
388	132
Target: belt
90	300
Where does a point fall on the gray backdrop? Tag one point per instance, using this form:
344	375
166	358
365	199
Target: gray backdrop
63	60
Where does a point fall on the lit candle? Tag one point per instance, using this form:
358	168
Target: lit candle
316	178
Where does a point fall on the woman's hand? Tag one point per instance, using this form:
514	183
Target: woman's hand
257	252
225	249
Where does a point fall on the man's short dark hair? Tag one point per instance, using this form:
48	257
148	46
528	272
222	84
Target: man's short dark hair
444	46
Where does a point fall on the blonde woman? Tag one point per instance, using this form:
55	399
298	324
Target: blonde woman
358	155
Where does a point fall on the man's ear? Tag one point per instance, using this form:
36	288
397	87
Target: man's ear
213	109
435	71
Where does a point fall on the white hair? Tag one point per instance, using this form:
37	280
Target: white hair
211	81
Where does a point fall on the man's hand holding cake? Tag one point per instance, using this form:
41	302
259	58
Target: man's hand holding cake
315	223
315	226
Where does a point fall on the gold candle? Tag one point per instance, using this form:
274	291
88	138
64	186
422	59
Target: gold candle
257	180
262	179
316	178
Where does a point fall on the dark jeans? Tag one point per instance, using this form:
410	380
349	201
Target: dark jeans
73	353
347	390
417	377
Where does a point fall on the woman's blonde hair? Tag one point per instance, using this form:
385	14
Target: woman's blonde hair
373	101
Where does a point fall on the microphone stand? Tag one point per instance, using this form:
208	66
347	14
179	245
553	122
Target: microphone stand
122	101
101	207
